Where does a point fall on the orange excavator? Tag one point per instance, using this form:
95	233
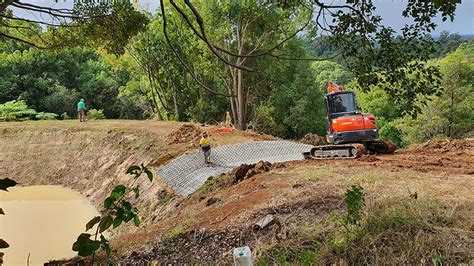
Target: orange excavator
350	133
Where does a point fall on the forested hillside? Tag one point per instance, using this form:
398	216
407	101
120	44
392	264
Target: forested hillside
281	95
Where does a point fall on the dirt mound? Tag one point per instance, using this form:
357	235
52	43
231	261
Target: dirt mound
186	133
368	158
313	139
457	146
245	171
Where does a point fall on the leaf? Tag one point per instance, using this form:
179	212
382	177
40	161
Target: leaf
136	220
6	183
3	244
118	192
133	169
2	212
127	205
108	202
149	174
105	245
92	222
84	246
117	222
128	216
107	249
137	192
105	223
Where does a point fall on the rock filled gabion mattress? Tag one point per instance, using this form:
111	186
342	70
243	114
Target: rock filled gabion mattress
188	173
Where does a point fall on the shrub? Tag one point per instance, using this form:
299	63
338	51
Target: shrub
264	122
15	111
61	100
95	114
46	116
65	116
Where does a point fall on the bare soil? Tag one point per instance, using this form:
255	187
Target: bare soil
300	192
206	226
92	157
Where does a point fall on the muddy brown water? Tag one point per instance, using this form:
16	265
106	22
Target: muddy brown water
42	221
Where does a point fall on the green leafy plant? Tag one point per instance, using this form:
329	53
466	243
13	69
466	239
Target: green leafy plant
15	111
117	210
65	116
95	114
355	202
46	116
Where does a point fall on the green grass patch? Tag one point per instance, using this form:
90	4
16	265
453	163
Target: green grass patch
317	174
212	183
180	229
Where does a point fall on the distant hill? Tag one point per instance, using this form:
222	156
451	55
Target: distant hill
463	36
467	36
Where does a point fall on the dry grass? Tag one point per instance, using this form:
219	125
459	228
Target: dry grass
394	231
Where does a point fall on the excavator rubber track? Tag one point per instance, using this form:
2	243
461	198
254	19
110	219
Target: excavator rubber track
380	147
350	150
340	151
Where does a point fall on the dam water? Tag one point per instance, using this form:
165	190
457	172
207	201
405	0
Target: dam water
41	223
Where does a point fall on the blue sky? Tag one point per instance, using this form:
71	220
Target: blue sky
390	10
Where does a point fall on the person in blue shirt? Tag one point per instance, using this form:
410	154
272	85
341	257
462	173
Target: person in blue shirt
81	110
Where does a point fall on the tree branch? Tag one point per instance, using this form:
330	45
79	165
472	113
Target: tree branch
202	34
181	60
22	40
204	38
48	11
280	57
34	21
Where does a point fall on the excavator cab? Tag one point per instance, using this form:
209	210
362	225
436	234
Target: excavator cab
340	104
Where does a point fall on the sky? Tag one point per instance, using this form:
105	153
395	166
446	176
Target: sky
390	10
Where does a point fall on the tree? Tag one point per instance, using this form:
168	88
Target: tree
451	114
296	104
54	80
448	42
374	53
105	24
246	28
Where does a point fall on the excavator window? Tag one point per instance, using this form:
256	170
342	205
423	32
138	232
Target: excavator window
342	103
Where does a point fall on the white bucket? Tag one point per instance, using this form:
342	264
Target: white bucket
242	256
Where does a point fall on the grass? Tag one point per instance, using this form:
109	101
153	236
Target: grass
393	231
180	229
316	175
165	200
369	177
210	184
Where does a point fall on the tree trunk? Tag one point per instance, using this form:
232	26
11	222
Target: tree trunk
155	102
4	5
241	123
